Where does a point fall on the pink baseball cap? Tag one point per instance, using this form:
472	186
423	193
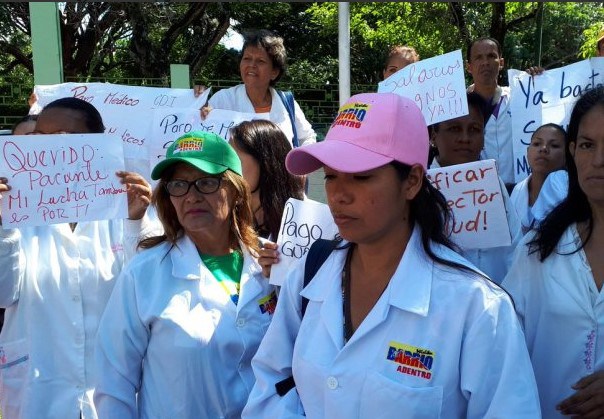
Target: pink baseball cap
370	131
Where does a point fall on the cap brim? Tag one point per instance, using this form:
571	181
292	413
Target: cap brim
205	166
339	155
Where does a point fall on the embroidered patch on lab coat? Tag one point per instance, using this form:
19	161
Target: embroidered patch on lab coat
411	360
267	304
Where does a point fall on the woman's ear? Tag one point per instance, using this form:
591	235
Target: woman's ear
413	183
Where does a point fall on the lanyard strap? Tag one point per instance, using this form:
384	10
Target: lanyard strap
233	295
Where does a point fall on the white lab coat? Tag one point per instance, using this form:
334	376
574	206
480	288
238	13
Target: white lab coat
553	191
235	99
520	202
495	261
562	313
54	284
498	135
172	344
479	368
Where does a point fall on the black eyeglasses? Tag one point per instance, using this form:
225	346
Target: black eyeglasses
204	185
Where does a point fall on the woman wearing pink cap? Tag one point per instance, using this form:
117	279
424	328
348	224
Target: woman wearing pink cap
397	323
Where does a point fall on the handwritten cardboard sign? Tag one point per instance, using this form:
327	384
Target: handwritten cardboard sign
62	178
474	195
126	110
169	124
548	97
437	85
303	223
220	121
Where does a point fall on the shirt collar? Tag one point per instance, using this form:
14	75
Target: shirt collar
409	288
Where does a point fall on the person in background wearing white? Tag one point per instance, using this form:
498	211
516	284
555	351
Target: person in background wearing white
397	323
54	283
188	313
458	141
546	153
24	126
484	62
557	277
263	63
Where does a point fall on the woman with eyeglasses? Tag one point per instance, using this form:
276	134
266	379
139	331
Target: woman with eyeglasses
188	313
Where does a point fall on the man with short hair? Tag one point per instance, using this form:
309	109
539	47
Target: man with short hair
484	62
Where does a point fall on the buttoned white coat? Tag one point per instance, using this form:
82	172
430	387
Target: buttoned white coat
235	99
562	313
172	344
55	283
478	367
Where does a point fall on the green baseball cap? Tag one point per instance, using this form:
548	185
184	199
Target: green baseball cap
204	150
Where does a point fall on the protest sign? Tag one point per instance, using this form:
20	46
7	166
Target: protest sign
548	97
437	85
126	110
220	121
167	125
302	223
62	179
474	196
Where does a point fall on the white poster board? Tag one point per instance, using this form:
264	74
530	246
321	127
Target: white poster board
474	195
437	85
220	121
126	111
548	97
303	223
62	179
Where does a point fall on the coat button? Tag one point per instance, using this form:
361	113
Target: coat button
240	322
332	383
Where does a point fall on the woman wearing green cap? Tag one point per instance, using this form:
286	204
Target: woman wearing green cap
188	313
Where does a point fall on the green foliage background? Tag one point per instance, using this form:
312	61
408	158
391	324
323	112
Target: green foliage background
126	51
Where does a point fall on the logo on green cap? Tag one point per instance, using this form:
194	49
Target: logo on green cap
188	144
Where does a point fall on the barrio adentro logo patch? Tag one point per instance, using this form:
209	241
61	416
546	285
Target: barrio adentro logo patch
411	360
351	115
188	144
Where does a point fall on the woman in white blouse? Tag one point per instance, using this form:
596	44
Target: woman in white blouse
263	63
557	276
546	153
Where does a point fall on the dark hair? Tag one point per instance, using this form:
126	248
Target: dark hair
267	144
575	207
430	211
26	118
482	39
241	230
474	101
272	44
554	126
92	117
